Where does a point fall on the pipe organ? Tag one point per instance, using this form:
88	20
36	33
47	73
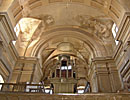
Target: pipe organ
63	77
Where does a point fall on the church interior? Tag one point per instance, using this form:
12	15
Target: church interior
64	49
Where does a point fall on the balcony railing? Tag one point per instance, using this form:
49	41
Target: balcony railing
31	88
12	87
11	91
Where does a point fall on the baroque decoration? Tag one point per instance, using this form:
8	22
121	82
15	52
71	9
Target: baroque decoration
65	46
30	34
100	26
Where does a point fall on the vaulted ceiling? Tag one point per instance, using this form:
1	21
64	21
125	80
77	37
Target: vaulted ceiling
82	28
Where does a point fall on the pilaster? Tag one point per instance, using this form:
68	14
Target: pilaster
105	75
26	70
122	52
8	53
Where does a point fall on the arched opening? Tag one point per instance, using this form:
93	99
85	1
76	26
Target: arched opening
114	32
66	74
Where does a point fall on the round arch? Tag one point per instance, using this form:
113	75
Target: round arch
94	44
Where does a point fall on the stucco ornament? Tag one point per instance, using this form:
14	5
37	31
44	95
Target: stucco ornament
30	30
100	26
25	30
47	20
25	5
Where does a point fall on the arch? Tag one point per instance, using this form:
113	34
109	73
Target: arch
94	43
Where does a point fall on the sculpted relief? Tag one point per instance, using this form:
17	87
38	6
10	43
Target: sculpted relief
48	20
29	31
100	26
25	5
25	30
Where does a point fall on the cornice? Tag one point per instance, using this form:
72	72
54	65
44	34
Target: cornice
103	59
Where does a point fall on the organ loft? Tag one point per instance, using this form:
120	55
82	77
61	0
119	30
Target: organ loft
64	49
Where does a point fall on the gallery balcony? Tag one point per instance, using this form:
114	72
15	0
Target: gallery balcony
11	91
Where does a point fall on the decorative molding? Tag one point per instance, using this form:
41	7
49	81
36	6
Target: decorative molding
7	35
4	68
124	26
5	22
100	26
102	59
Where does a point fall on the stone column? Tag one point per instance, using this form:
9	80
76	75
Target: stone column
5	69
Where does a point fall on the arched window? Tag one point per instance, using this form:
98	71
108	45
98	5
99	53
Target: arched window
1	81
114	32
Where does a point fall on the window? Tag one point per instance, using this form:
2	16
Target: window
17	29
114	32
1	81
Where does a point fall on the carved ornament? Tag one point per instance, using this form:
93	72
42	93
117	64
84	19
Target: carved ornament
100	26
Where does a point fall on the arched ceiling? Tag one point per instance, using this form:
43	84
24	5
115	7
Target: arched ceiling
26	8
78	28
65	13
42	25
